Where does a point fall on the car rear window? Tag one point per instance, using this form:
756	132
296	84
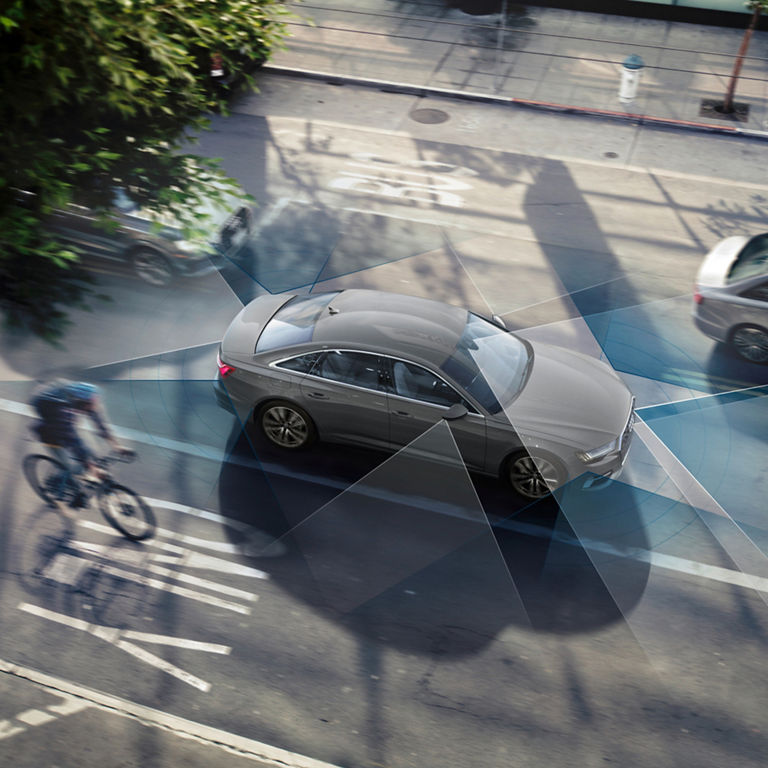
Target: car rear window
752	261
294	322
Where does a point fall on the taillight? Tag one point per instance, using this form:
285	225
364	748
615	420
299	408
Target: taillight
224	369
697	297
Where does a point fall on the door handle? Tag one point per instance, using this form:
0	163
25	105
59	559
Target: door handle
317	395
402	413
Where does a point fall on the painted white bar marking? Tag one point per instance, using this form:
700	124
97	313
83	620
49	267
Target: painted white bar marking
7	729
35	717
116	637
69	704
177	642
207	584
187	557
176	590
254	750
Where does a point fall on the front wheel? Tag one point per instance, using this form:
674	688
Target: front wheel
286	425
751	343
152	267
533	476
48	477
127	512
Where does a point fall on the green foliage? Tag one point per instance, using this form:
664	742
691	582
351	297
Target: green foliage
98	92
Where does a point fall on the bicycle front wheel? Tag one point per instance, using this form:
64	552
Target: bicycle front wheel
48	477
127	512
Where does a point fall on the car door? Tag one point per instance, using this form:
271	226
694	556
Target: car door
419	398
80	227
345	394
753	302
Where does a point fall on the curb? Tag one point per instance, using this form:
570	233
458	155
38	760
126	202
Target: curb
390	86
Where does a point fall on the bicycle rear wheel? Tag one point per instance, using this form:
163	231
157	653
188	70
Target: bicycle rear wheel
127	512
48	478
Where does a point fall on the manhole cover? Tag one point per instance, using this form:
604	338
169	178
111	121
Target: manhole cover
429	116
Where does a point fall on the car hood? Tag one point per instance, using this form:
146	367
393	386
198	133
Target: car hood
717	263
239	342
571	397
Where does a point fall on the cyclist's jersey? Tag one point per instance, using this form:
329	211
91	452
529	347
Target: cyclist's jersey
58	420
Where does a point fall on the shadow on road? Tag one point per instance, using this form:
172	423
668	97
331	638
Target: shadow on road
401	551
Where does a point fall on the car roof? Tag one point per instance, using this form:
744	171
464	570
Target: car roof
393	323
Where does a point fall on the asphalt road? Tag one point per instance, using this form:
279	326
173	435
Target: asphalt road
408	615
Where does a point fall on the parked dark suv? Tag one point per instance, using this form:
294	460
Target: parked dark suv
154	246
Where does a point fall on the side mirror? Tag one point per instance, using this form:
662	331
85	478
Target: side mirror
499	321
456	411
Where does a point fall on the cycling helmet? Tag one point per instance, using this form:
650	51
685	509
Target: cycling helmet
81	392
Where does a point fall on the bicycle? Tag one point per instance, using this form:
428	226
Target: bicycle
121	507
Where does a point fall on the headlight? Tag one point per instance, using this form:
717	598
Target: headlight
590	457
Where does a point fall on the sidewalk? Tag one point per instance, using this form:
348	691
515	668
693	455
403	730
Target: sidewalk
547	57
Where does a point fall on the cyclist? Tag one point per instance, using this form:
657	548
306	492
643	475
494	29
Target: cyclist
59	406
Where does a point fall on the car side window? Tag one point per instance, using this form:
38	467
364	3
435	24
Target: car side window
356	368
757	292
418	383
300	364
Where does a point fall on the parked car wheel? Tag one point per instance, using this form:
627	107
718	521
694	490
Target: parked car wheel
751	343
286	425
533	475
152	267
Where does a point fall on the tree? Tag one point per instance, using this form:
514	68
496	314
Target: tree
98	92
756	6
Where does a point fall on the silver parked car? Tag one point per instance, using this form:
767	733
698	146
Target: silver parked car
152	245
731	295
379	369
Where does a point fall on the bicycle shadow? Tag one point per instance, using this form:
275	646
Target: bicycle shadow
70	575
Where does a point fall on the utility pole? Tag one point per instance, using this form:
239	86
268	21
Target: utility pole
756	6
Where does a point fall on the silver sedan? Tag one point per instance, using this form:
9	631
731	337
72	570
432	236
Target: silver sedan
730	302
379	369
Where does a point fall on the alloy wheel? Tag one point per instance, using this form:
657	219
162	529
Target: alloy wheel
285	426
752	344
533	478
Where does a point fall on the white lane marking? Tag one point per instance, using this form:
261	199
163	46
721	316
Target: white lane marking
183	556
68	569
35	717
69	704
656	559
704	501
174	589
214	737
704	395
8	729
177	642
196	581
116	637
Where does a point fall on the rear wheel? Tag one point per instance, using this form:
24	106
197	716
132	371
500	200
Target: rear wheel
286	425
48	477
127	512
751	343
534	475
152	267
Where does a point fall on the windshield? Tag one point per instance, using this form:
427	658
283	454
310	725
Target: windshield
294	322
752	261
490	363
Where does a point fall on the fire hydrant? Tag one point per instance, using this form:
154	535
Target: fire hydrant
632	66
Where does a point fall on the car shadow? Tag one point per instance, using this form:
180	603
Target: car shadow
453	560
